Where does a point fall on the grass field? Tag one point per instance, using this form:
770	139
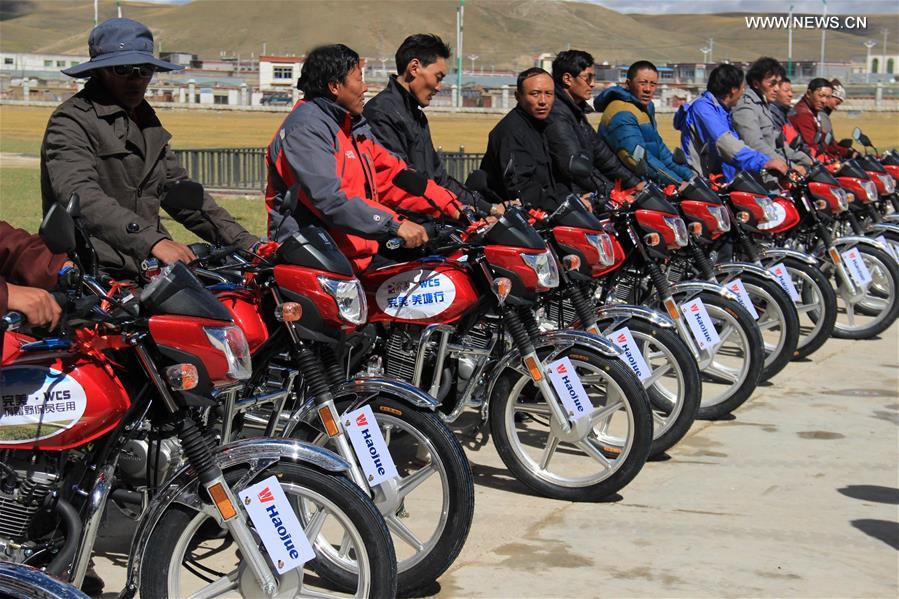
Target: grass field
21	130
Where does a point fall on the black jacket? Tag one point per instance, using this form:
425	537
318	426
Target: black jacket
400	125
518	163
569	133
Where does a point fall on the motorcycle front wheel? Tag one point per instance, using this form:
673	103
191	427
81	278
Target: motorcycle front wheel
816	308
878	305
589	463
192	556
778	322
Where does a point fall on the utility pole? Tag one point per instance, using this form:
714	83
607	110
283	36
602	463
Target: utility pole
264	48
705	55
711	49
821	70
118	5
96	12
472	58
790	44
460	18
885	31
868	44
384	60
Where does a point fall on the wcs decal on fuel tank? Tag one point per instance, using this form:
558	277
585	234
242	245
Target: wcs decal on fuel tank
37	403
416	294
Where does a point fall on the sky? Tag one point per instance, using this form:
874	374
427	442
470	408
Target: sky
837	7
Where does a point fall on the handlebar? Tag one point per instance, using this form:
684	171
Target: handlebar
11	321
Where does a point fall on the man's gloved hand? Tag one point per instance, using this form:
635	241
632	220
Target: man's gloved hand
38	306
169	252
412	234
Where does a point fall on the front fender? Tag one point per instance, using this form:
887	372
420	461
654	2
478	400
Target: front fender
618	313
258	453
737	268
364	389
690	289
778	254
559	341
852	241
884	227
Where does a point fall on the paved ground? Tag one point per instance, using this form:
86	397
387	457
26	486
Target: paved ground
796	496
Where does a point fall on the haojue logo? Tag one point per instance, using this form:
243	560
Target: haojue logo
563	370
699	321
631	360
366	435
272	512
265	495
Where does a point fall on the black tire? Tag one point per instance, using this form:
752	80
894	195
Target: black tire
889	273
813	286
417	572
353	504
891	237
686	374
763	293
628	460
752	361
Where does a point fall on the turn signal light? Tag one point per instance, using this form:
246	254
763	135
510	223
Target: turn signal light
289	312
696	229
820	204
220	498
182	377
834	255
571	262
502	287
850	197
671	308
652	239
743	217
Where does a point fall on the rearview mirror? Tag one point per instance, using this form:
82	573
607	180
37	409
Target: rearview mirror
865	141
639	156
857	134
796	142
845	143
184	195
58	230
579	165
74	206
678	156
288	202
828	139
410	181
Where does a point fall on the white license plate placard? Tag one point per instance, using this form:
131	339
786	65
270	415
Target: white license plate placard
736	286
630	352
569	388
783	277
891	249
856	266
277	525
701	324
368	443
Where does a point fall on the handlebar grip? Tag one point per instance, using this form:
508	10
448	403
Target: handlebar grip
11	321
200	249
394	243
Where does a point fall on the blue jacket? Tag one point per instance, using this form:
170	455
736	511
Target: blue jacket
706	121
626	124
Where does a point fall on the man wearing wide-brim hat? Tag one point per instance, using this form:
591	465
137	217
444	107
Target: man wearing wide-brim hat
107	145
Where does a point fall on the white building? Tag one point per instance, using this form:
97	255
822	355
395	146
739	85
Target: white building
879	64
279	72
12	62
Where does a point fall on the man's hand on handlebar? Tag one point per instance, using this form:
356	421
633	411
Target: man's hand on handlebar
413	234
38	306
777	165
587	201
169	252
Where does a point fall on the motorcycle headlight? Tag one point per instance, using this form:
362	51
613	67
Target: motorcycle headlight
842	199
720	217
232	342
350	298
870	190
603	244
889	184
545	267
677	226
767	207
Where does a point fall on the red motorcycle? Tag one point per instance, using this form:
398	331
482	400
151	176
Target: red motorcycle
141	369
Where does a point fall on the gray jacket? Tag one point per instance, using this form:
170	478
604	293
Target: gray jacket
757	127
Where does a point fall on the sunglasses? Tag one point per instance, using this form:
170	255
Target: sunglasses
143	71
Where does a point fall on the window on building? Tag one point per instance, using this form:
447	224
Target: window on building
48	63
60	63
220	99
7	61
875	64
890	65
282	73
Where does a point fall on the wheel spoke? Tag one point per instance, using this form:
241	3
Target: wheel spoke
551	444
345	545
223	584
409	483
721	371
605	412
403	532
315	524
657	373
803	308
588	447
726	332
658	419
535	409
850	313
768	324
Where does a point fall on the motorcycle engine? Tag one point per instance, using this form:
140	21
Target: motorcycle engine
26	481
139	460
400	352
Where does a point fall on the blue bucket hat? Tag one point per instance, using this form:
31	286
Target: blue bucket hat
117	42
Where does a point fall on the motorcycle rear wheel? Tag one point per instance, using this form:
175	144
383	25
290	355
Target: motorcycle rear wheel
778	322
817	306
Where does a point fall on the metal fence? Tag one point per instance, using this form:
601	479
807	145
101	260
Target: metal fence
243	169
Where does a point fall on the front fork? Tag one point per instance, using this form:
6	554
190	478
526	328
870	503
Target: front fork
522	331
855	293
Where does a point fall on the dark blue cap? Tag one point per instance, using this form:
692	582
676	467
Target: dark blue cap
117	42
